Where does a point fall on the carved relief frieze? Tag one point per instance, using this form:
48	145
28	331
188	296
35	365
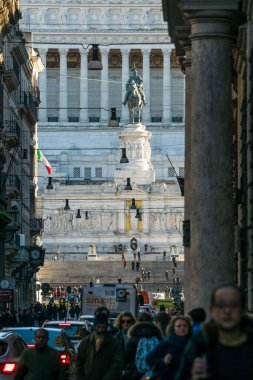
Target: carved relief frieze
174	61
115	60
156	60
136	58
53	60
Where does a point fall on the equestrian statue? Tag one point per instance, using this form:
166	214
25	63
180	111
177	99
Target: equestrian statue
135	96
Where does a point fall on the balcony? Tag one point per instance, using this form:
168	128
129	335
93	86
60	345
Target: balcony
12	133
11	74
13	185
36	226
28	107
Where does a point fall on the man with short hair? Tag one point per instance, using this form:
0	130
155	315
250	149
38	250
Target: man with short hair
41	362
223	349
99	356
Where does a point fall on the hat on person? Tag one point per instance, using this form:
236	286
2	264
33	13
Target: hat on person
100	319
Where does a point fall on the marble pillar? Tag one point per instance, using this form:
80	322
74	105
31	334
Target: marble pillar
43	87
125	76
84	87
146	83
105	113
211	204
166	86
63	86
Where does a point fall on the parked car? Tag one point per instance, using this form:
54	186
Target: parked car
89	318
11	348
147	309
58	340
75	330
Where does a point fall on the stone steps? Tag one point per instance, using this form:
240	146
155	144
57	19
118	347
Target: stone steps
81	272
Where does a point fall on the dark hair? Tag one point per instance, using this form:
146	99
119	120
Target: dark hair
171	328
102	309
41	330
198	314
144	317
163	318
231	286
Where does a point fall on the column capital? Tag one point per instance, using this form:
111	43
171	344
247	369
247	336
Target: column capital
166	51
146	51
83	52
63	51
104	50
43	51
125	51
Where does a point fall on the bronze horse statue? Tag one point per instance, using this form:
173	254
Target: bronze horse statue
135	102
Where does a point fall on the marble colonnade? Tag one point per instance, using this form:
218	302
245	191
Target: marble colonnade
125	52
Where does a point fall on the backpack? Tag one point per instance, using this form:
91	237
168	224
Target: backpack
144	347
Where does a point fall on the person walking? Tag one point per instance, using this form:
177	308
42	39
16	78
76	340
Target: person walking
41	362
99	355
123	322
165	358
222	350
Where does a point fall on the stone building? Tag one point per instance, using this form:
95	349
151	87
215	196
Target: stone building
19	99
214	44
83	138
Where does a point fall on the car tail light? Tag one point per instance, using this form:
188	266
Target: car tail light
64	324
30	345
8	367
65	359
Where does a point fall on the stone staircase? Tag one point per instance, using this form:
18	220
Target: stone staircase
63	273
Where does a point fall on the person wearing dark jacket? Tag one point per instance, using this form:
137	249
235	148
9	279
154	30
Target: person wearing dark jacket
41	362
99	355
223	350
123	322
165	358
135	333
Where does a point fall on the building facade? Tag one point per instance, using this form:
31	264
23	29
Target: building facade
83	141
19	95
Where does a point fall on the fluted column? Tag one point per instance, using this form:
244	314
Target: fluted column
43	87
166	86
146	82
104	86
63	86
84	87
125	76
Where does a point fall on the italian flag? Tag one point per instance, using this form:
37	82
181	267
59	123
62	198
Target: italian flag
42	158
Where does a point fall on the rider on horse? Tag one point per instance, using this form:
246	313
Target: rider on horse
139	82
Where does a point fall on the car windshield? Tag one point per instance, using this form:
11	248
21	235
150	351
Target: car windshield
55	339
73	331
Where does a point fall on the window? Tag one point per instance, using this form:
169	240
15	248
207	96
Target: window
98	172
156	119
181	172
177	119
94	119
76	172
87	173
171	172
52	119
73	119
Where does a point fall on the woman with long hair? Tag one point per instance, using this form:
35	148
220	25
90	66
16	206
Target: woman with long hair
123	322
165	358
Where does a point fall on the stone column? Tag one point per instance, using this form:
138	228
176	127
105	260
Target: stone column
125	76
43	87
84	87
104	86
146	82
166	86
63	86
211	204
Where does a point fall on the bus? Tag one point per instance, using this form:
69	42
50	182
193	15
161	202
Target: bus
116	297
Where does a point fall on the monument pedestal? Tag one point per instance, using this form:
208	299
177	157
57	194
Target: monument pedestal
135	139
